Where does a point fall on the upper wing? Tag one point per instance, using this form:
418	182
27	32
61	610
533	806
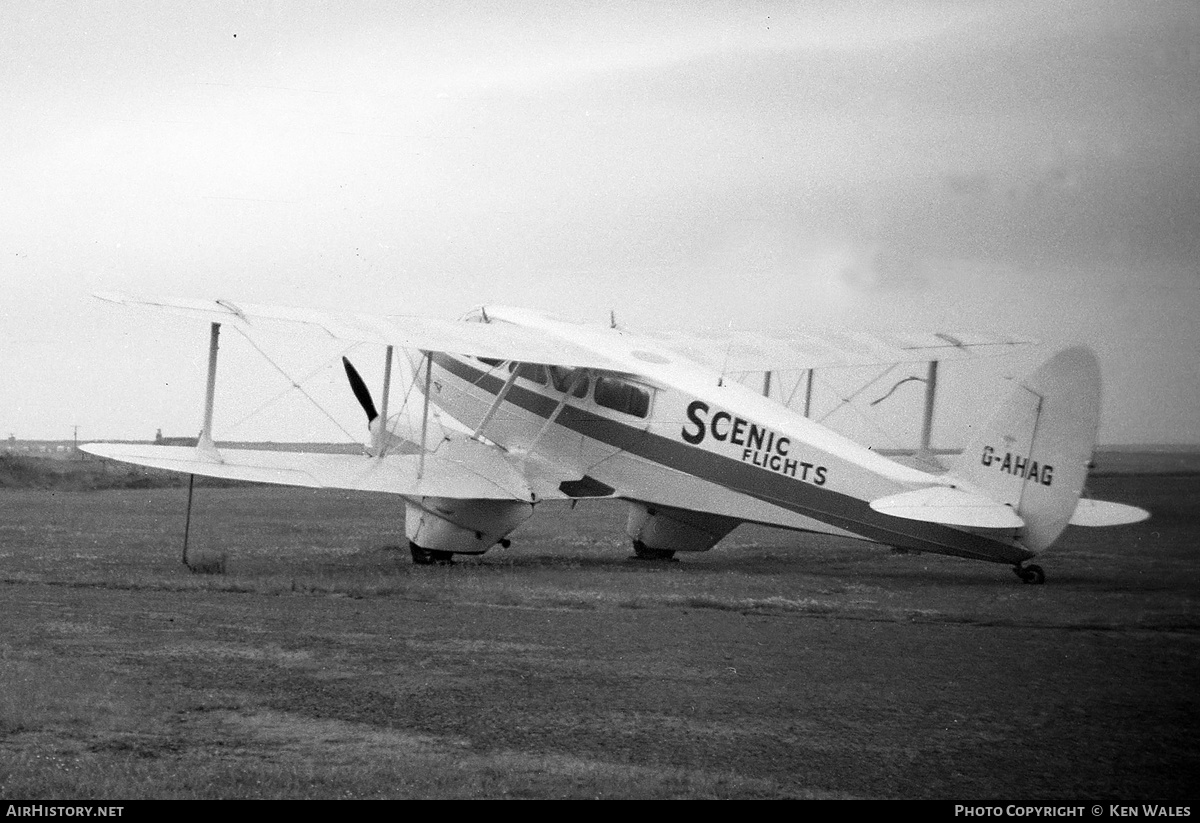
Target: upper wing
503	341
727	352
735	352
461	469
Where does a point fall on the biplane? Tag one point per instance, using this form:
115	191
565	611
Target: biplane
548	409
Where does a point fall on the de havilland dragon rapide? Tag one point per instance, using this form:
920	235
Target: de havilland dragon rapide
557	410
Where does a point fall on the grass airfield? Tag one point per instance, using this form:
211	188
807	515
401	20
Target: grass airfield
322	664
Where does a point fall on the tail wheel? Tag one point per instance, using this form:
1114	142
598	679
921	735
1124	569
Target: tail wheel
1031	574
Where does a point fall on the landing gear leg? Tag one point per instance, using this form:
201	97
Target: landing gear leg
430	557
1030	574
643	552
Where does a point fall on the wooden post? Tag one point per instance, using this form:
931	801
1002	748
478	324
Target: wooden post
187	523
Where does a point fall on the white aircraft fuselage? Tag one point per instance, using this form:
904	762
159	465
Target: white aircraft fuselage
676	434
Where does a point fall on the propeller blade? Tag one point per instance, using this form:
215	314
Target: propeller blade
360	391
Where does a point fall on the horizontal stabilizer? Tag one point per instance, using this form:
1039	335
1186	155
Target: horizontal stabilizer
949	506
465	469
1090	512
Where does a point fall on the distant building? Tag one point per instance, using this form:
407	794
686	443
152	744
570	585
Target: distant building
51	449
159	440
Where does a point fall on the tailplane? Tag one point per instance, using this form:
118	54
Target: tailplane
1033	454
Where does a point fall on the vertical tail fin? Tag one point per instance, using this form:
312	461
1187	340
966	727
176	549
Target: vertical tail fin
1033	454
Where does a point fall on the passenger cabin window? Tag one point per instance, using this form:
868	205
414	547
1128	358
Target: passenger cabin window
530	371
563	378
621	396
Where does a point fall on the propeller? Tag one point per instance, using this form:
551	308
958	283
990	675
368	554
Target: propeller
360	391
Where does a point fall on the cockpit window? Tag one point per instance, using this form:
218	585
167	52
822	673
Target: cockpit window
530	371
563	378
613	393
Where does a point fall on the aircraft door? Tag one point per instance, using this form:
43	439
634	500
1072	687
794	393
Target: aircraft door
615	418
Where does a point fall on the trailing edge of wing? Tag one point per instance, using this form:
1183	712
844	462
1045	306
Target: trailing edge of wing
951	507
734	352
1090	512
466	469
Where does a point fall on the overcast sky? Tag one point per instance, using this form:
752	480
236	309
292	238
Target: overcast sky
1005	167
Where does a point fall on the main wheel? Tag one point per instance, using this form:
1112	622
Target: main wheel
429	557
1031	574
643	552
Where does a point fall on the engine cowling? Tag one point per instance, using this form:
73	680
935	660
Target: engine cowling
440	527
660	531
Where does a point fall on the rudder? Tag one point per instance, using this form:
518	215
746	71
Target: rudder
1033	454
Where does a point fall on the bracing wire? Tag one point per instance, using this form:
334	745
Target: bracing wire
294	384
800	379
408	393
845	401
888	434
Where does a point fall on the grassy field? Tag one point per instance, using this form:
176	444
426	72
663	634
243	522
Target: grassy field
321	663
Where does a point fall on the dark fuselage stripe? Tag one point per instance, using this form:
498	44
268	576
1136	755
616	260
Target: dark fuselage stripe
837	509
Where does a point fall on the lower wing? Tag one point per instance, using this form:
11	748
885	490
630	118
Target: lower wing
462	469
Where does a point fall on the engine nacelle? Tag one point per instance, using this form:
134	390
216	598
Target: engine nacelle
660	531
438	527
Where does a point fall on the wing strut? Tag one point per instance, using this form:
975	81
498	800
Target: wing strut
562	401
381	436
425	413
930	397
206	439
491	412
